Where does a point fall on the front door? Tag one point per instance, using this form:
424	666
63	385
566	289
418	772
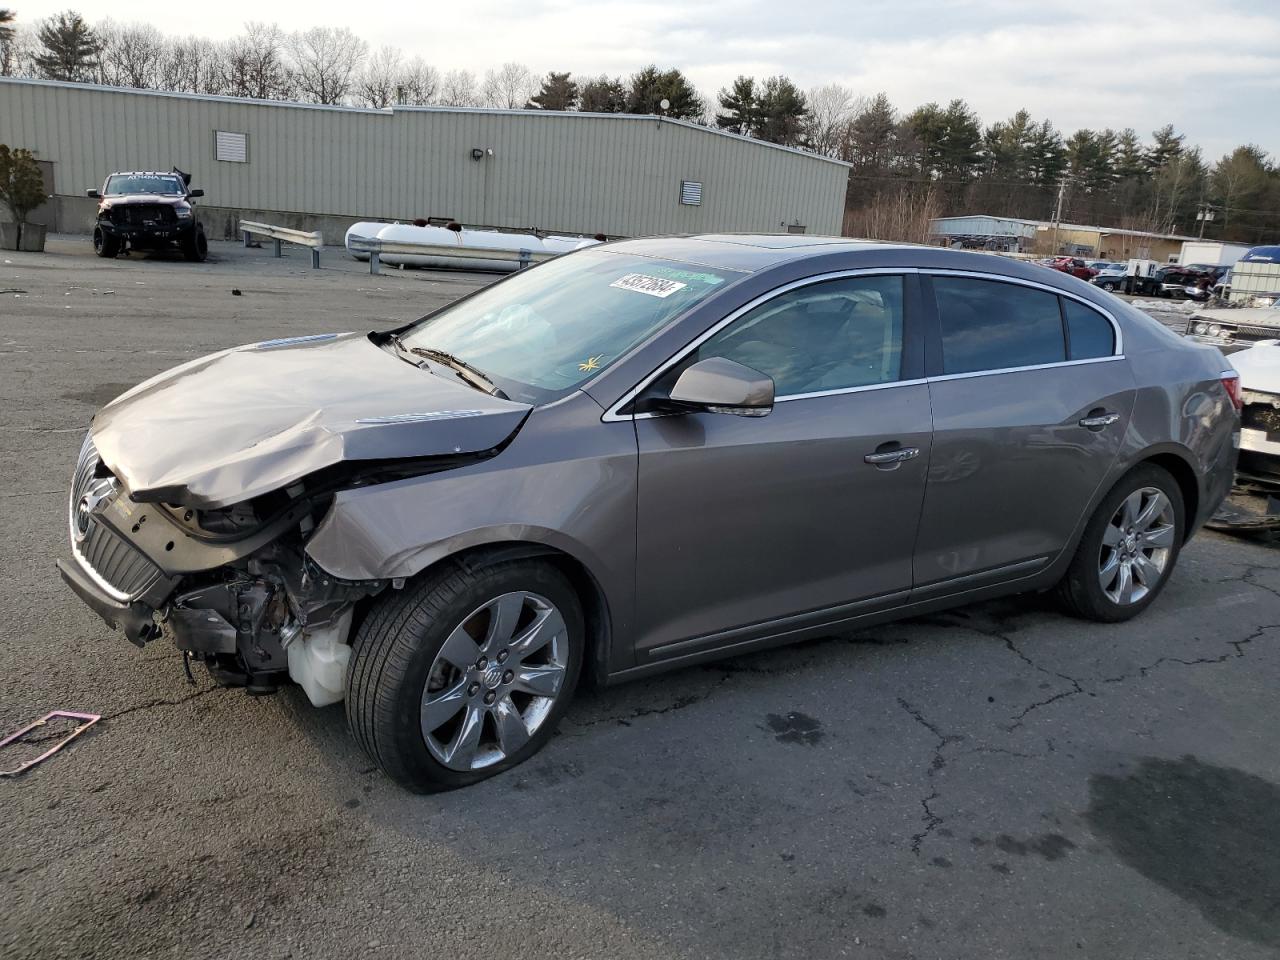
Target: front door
1031	403
746	520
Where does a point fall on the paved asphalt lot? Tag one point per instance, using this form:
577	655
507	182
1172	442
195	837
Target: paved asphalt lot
998	782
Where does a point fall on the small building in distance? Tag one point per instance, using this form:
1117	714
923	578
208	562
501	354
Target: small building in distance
1045	238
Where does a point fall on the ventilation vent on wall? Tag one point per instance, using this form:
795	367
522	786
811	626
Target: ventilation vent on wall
231	147
691	193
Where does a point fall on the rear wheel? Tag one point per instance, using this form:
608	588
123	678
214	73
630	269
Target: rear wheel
1129	548
466	674
105	246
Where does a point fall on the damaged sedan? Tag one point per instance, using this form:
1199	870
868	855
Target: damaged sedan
637	457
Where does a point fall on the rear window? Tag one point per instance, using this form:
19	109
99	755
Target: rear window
1089	333
988	325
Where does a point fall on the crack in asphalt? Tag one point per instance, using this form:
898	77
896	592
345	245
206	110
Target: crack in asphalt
1017	651
931	819
679	703
1199	661
162	702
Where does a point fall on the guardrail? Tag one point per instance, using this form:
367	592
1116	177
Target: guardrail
280	235
377	248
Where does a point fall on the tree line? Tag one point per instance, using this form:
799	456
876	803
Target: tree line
905	168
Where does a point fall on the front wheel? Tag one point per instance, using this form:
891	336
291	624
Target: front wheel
465	674
197	248
105	246
1128	549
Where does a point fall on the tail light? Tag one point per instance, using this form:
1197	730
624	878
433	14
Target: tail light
1231	381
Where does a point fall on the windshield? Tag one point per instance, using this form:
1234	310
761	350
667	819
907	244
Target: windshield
124	183
542	332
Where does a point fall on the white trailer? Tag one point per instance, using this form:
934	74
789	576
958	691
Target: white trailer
1213	252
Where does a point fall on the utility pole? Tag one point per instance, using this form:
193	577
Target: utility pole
1204	214
1057	213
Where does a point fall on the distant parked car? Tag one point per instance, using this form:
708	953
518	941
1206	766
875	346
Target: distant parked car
148	211
1111	277
1072	265
1235	328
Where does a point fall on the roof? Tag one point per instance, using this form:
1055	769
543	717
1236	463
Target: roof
751	253
1106	231
388	111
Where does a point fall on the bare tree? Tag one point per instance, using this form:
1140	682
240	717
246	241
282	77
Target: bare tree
193	65
254	64
458	89
418	83
17	50
132	54
832	108
377	84
509	87
326	62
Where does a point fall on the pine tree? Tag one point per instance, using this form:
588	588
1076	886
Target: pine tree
869	145
6	17
71	48
781	113
603	95
650	87
559	92
738	107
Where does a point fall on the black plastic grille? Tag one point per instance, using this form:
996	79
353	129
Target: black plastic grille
136	214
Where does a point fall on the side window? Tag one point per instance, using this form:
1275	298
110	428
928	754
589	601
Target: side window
825	336
1089	333
989	325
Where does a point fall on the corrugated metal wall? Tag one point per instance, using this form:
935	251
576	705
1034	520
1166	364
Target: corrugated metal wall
618	175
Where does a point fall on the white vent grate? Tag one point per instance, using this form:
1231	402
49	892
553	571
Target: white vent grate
691	193
231	147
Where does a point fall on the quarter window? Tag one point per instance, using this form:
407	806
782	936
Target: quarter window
988	325
826	336
1089	333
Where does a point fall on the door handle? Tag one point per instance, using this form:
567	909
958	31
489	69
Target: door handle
1099	421
892	456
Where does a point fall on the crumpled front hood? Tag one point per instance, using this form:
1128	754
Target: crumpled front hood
237	424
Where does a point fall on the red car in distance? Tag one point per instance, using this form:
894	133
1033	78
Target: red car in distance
1072	265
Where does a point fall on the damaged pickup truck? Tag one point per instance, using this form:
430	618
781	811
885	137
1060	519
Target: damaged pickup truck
636	457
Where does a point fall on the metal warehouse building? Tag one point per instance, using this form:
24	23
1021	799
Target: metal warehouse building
320	167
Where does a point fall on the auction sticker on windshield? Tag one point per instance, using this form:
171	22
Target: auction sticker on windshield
653	286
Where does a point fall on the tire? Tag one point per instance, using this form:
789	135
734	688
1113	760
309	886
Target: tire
409	698
197	249
105	246
1105	538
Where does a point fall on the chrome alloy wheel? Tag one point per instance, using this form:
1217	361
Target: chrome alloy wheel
1136	546
494	681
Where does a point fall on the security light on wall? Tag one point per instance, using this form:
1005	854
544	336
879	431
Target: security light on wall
478	154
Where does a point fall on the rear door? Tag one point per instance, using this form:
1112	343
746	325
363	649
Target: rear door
743	521
1031	399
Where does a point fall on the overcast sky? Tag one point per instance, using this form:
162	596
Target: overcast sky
1210	68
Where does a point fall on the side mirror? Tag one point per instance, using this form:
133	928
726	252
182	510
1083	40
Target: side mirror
196	193
720	385
93	194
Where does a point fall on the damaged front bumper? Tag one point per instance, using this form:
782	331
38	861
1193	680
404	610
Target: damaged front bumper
247	603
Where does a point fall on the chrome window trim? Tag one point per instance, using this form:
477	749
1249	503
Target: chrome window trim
1034	366
1117	348
613	416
